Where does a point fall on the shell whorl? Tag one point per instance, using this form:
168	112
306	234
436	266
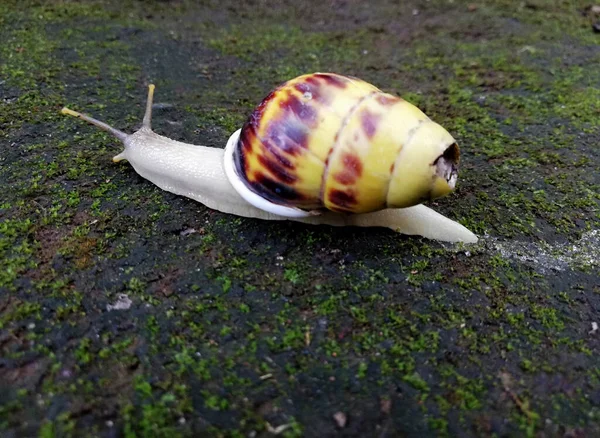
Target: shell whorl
326	141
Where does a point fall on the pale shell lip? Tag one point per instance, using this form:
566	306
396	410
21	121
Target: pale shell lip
248	195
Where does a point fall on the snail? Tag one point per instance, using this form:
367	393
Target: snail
320	149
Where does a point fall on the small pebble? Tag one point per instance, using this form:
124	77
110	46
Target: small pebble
123	303
187	232
340	419
161	106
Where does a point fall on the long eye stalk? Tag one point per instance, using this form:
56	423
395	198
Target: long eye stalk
105	126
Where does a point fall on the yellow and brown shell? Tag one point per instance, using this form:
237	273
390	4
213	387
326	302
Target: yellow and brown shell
326	141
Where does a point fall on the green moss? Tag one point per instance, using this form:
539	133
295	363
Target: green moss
292	275
272	39
47	430
16	250
416	381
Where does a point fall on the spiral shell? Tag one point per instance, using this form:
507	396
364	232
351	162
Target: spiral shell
326	141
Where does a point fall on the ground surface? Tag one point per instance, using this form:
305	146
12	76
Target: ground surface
128	311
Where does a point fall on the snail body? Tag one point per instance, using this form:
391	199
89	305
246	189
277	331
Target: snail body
320	149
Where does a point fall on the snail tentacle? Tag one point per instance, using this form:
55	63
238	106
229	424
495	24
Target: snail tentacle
104	126
147	120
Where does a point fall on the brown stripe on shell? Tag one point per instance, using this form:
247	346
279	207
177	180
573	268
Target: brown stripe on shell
247	138
278	172
345	178
353	163
303	87
305	112
312	80
317	89
344	200
291	137
312	93
352	169
283	128
239	161
387	100
369	122
278	154
272	190
332	80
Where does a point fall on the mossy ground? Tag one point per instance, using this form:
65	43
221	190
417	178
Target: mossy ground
243	326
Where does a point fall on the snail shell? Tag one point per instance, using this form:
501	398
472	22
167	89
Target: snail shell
329	142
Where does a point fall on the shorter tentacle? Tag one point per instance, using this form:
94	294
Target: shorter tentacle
147	121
